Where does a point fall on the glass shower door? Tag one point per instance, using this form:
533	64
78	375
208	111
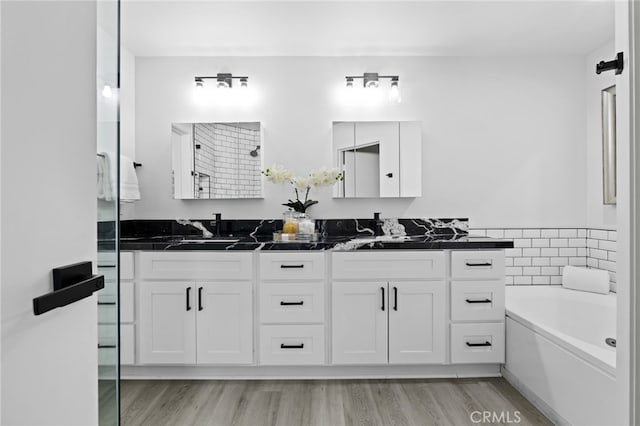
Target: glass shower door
108	149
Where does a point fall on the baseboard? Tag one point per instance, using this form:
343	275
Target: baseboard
328	372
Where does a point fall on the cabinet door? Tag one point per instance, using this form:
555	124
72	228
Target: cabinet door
417	322
225	323
359	313
167	330
385	135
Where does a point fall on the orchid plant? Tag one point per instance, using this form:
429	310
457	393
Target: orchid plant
303	184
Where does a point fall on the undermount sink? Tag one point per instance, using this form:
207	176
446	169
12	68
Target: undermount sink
385	239
210	240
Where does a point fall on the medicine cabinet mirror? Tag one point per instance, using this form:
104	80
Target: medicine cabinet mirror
609	145
379	158
216	160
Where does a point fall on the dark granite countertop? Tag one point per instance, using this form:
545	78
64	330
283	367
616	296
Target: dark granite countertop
342	243
338	235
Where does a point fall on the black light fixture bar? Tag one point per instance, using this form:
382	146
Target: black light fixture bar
371	78
223	79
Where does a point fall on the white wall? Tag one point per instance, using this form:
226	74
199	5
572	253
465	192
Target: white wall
504	138
598	214
49	362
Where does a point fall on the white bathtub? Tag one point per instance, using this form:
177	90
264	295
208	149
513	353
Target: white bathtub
557	355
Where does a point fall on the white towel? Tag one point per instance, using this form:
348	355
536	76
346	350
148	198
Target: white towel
584	279
129	189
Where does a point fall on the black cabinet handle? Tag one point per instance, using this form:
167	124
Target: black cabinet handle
292	266
473	345
389	175
395	298
300	346
382	288
478	301
300	303
478	264
200	299
188	292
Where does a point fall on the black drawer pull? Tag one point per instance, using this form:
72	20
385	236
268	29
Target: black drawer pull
478	301
474	345
188	293
300	346
300	303
200	299
395	298
478	264
292	266
382	307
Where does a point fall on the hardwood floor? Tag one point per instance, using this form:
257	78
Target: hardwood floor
323	402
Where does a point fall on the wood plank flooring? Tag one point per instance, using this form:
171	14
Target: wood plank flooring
321	402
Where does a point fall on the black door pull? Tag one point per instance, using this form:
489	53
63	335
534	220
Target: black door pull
473	345
478	264
395	298
300	346
292	266
200	299
478	301
382	288
188	292
283	303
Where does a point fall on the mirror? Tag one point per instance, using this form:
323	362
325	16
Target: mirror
216	160
378	158
609	145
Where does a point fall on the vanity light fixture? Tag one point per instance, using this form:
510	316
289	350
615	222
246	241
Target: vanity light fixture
371	80
223	81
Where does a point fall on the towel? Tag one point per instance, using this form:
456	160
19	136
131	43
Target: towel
583	279
129	189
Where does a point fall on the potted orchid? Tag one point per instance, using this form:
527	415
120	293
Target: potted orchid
303	184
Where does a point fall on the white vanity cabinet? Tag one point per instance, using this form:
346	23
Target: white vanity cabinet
389	307
477	307
291	293
195	308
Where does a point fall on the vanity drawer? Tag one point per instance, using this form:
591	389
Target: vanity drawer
477	300
292	303
477	264
477	343
386	265
292	345
292	266
193	265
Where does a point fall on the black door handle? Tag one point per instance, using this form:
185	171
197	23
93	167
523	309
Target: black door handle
300	303
389	175
200	299
478	301
382	288
395	298
300	346
473	345
291	266
188	292
478	264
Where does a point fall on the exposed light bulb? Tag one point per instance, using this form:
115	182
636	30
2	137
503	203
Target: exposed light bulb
394	94
371	84
244	83
222	84
199	84
349	83
107	92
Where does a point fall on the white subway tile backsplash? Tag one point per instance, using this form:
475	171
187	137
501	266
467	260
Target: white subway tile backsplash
549	233
540	254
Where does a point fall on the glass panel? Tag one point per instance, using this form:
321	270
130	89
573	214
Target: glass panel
108	148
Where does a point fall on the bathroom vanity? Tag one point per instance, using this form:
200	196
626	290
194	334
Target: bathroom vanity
430	306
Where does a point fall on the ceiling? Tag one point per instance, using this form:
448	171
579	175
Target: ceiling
363	28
